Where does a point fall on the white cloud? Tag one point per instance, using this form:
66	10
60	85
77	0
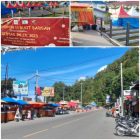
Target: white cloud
102	68
82	78
59	72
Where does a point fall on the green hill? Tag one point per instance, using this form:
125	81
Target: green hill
104	82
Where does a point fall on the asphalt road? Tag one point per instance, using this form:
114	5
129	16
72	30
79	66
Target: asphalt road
88	125
89	38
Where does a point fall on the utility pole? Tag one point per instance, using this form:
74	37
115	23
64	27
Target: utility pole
37	75
6	78
63	93
81	93
122	107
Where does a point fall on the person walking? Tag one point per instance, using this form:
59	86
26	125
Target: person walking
17	115
32	113
23	115
29	114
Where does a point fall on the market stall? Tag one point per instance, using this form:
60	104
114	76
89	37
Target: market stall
9	107
82	14
121	18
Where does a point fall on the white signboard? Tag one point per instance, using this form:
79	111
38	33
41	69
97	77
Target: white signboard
20	87
127	92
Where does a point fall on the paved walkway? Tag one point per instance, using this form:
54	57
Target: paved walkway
89	38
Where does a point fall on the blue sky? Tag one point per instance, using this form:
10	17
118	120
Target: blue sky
58	64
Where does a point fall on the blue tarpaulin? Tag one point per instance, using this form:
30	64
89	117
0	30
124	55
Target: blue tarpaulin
5	11
22	102
11	100
134	22
93	104
53	105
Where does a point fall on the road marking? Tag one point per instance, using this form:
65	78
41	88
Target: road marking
57	126
65	123
34	133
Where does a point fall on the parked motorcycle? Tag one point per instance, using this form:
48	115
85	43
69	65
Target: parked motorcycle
126	126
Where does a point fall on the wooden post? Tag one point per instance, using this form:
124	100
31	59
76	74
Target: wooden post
127	34
101	26
110	28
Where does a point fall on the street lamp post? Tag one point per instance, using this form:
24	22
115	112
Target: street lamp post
122	108
37	75
63	93
81	93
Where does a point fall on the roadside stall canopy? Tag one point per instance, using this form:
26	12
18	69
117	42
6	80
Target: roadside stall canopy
63	102
83	13
14	101
3	102
93	104
72	104
121	18
53	105
22	102
9	100
36	104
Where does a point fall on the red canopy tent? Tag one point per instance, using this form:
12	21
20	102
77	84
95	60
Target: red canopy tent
10	6
55	4
121	13
51	4
34	4
29	5
39	4
72	104
23	5
16	5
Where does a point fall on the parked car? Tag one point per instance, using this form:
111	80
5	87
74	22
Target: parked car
60	111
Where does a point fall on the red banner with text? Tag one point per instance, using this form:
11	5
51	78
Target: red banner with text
35	32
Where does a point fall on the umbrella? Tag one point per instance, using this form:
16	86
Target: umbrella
10	6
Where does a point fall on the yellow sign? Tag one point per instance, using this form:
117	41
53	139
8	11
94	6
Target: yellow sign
48	91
